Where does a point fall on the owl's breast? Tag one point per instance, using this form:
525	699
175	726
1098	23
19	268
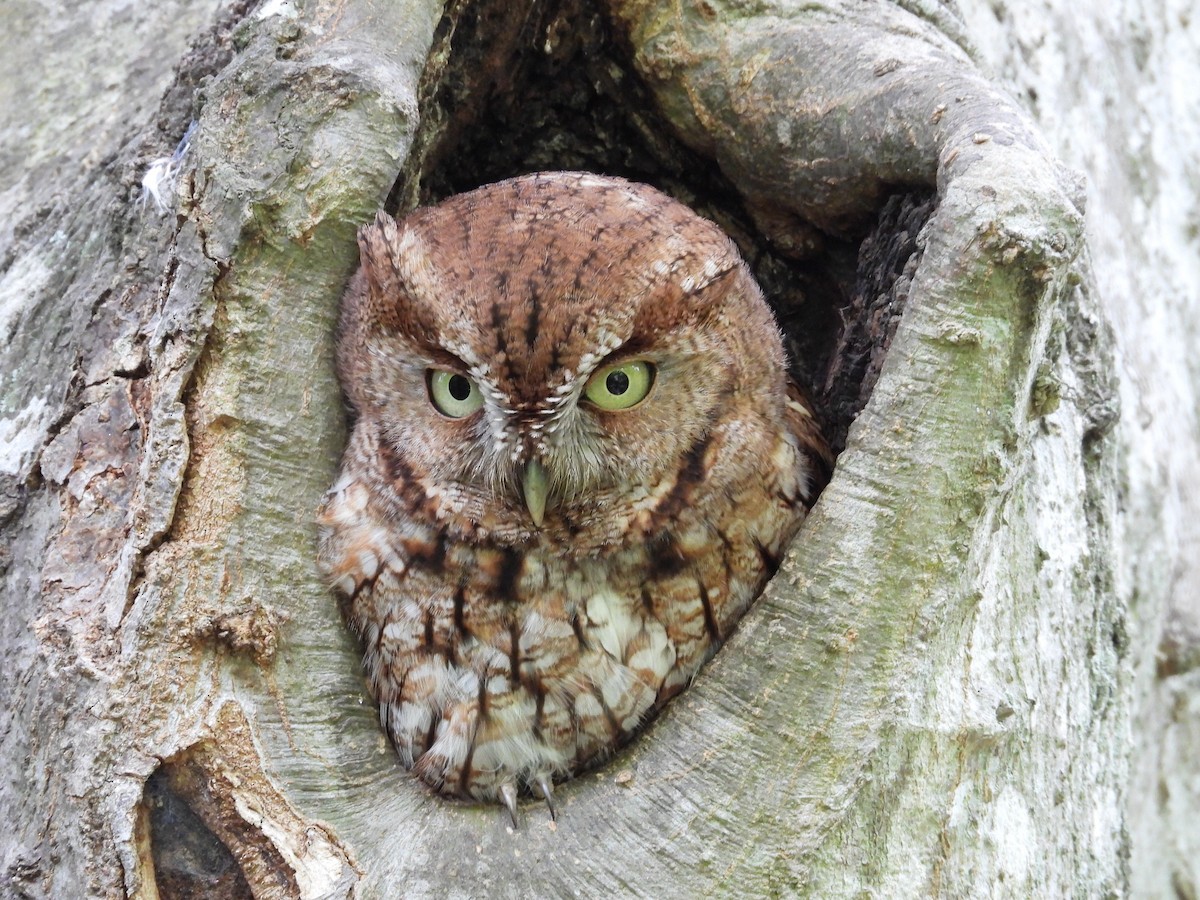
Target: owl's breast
518	659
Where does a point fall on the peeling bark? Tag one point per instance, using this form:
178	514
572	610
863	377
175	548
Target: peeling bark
933	698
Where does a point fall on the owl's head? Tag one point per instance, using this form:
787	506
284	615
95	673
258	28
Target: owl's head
553	355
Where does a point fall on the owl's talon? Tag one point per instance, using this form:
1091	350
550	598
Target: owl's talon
546	786
508	793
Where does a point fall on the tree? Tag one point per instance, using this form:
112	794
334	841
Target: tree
970	677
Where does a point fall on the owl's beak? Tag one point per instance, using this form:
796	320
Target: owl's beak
533	485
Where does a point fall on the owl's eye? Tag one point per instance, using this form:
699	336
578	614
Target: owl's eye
453	394
622	386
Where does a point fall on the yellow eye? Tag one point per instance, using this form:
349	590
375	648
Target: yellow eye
621	386
453	394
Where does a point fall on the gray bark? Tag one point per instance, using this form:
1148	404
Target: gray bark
972	676
1113	93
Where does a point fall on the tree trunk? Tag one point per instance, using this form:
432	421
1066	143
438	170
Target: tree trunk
971	676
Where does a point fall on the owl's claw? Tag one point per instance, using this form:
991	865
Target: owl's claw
547	788
508	793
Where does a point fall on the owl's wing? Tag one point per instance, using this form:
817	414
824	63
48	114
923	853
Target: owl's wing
802	423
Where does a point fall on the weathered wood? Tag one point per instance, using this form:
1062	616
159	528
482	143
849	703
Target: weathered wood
1109	91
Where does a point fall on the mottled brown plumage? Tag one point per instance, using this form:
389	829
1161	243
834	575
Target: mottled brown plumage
533	575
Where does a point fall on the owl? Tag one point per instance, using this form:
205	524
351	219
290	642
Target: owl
575	462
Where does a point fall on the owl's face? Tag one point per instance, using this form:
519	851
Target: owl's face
550	369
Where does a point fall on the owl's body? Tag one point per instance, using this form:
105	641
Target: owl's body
575	464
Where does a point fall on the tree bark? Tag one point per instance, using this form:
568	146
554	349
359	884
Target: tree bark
971	676
1111	92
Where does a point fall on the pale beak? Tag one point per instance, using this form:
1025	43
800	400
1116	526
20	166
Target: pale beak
533	485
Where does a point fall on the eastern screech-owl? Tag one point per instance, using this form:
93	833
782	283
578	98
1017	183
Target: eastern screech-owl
576	461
